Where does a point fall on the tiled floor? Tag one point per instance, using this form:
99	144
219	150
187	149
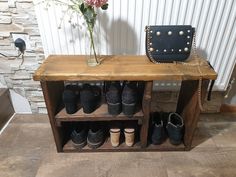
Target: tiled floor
27	149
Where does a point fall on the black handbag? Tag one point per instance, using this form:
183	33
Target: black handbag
169	43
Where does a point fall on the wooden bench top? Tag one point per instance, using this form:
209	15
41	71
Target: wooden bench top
121	67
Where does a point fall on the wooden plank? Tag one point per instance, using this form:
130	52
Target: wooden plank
52	92
106	147
188	107
6	108
74	68
146	104
231	108
100	114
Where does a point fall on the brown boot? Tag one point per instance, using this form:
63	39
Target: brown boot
115	136
129	136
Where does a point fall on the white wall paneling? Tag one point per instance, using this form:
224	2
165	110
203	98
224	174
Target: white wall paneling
121	29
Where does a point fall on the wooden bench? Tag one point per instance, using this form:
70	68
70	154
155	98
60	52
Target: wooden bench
59	68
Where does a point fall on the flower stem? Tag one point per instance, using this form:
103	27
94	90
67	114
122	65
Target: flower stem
92	43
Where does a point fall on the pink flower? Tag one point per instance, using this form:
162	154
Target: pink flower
97	3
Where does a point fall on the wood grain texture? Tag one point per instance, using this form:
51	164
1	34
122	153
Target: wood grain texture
107	147
52	92
146	104
100	114
74	68
188	107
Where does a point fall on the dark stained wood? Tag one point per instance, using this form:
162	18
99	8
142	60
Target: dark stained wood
188	107
228	108
146	104
57	69
6	108
52	92
100	114
106	147
123	67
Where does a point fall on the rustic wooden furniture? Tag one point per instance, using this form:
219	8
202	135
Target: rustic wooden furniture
59	68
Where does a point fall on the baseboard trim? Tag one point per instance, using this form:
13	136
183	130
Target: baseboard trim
228	108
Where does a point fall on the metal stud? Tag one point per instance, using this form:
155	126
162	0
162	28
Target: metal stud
151	49
158	33
188	37
188	43
186	49
181	33
151	31
150	43
172	50
157	50
164	50
169	33
189	31
180	50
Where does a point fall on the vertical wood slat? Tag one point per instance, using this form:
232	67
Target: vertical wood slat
122	29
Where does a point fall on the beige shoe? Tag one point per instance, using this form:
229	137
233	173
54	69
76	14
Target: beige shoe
129	136
115	136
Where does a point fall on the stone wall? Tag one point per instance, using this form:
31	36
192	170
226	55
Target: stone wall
18	16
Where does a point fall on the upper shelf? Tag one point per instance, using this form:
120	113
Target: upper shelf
74	68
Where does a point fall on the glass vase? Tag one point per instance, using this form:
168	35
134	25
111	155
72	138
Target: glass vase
92	47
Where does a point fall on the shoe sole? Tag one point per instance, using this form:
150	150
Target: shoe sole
80	145
114	109
94	145
128	109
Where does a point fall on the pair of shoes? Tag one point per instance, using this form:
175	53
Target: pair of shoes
174	128
115	136
94	136
89	97
119	99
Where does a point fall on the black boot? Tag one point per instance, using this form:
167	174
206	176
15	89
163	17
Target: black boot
175	128
113	97
158	131
79	135
90	97
96	135
70	98
129	98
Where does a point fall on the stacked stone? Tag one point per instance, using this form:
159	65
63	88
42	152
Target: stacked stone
18	16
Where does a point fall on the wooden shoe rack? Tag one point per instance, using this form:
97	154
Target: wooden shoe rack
57	69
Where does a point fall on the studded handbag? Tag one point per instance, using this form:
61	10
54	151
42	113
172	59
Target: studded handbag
169	43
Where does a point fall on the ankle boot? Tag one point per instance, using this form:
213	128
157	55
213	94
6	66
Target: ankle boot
129	136
158	131
90	97
113	97
175	128
115	136
129	98
70	98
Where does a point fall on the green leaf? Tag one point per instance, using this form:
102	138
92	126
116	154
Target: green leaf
105	6
90	16
82	9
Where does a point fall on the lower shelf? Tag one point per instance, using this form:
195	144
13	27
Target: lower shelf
106	147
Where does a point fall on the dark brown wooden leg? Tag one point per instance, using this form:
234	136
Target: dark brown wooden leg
188	107
146	104
52	92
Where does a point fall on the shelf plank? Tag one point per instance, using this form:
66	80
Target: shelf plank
106	147
100	114
121	67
